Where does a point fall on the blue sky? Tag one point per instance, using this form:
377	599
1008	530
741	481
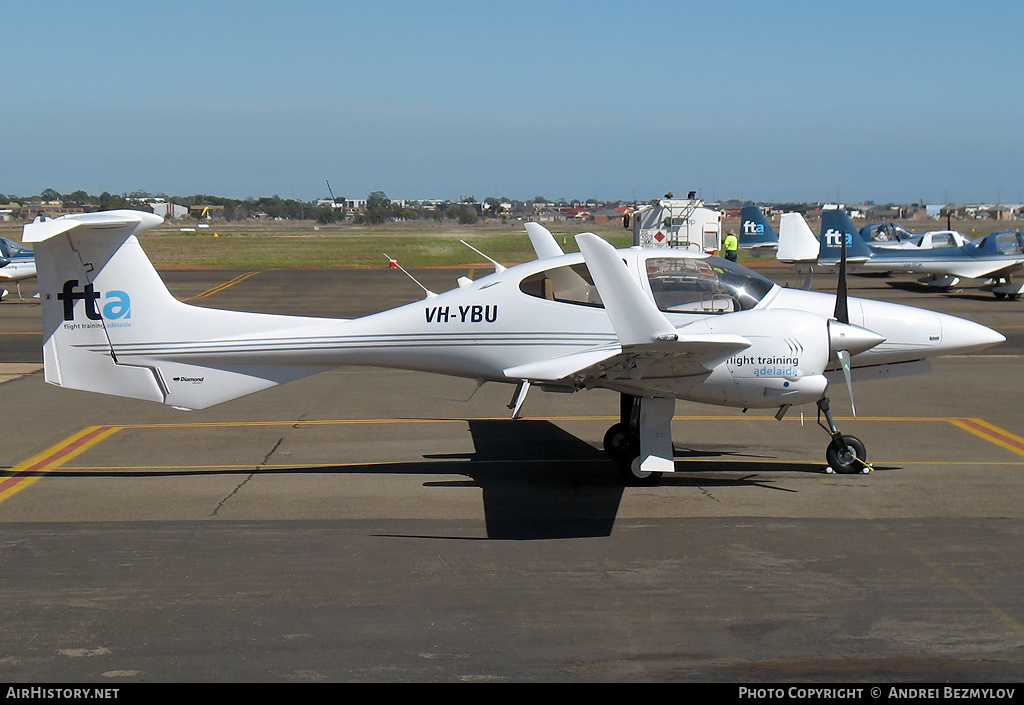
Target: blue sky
778	101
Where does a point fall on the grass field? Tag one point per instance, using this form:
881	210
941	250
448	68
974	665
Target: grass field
264	245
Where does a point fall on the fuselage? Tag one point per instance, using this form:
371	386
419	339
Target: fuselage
517	316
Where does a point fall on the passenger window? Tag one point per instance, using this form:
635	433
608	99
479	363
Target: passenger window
567	284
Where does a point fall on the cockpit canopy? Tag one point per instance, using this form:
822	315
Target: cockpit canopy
678	283
1008	242
9	249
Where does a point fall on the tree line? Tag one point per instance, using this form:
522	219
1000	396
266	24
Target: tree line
379	208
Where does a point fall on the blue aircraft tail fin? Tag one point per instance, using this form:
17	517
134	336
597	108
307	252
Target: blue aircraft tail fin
755	230
836	226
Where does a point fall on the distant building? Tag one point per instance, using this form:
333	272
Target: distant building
169	210
32	211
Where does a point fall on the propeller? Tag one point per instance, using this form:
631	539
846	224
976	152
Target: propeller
846	340
842	312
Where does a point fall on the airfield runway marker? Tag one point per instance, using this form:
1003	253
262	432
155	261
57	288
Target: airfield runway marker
993	434
28	472
222	287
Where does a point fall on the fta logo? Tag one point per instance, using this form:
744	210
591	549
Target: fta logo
834	238
116	304
752	228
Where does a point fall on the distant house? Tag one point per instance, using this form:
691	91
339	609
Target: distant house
605	215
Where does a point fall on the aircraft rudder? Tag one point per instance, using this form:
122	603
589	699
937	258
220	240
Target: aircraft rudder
837	226
755	229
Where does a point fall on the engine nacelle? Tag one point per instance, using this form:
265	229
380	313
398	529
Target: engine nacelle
776	369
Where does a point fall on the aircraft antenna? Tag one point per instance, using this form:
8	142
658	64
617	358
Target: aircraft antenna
497	267
393	263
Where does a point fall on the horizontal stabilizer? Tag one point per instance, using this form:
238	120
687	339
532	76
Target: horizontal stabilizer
135	221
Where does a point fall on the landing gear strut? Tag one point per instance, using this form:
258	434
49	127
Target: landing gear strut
641	442
845	454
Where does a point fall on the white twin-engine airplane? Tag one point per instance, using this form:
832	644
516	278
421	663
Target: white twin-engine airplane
654	325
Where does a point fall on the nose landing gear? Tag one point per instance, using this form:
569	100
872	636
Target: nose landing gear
846	455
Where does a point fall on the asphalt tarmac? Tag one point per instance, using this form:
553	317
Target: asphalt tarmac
375	525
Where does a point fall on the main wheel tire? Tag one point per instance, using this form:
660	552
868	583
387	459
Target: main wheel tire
620	444
633	476
852	459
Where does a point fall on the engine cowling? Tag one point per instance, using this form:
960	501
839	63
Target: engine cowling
788	354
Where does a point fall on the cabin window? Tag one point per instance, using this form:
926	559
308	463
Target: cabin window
571	284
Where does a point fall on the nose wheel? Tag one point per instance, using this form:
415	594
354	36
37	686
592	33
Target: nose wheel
846	455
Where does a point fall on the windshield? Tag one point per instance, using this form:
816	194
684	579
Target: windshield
9	248
704	285
679	284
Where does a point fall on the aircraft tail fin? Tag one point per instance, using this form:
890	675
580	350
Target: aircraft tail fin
837	226
110	325
797	244
755	230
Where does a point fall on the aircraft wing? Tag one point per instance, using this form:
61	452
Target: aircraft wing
982	269
686	356
649	345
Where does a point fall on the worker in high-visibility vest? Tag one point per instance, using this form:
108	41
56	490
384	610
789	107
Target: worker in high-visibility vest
730	244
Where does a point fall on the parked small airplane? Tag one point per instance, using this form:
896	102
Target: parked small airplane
653	325
893	236
16	264
995	257
798	244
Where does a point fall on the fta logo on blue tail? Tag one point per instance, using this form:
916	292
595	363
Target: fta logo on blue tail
834	238
115	305
752	228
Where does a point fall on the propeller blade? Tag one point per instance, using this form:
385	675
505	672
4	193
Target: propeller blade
842	313
844	360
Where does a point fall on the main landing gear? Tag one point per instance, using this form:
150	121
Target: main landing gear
845	454
641	442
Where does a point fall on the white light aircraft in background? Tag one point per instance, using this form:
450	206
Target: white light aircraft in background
16	264
891	236
653	325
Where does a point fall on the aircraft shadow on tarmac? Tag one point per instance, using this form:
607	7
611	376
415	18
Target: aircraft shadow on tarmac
537	480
